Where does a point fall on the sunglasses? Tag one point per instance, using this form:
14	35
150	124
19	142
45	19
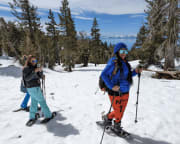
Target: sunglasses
123	52
34	61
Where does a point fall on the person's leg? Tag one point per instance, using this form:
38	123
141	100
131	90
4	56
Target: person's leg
42	102
25	101
112	114
124	101
34	102
120	106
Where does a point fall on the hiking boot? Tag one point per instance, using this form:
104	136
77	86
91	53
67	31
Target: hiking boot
30	122
25	109
117	127
45	120
106	120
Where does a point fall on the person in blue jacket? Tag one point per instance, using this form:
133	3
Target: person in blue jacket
117	76
23	89
25	102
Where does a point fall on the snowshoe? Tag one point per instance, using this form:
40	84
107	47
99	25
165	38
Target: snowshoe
121	133
33	121
46	120
25	109
102	125
30	122
22	109
106	121
118	130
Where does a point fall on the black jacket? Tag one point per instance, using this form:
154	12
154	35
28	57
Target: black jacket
31	78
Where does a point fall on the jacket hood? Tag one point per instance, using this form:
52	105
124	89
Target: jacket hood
119	46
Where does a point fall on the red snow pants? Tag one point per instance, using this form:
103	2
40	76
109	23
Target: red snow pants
119	105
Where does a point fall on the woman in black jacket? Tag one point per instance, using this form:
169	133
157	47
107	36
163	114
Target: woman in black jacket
32	75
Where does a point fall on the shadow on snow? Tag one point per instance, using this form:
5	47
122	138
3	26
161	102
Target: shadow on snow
87	70
59	129
144	140
11	71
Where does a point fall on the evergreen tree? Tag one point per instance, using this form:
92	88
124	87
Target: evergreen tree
53	33
10	38
69	36
136	50
141	37
29	20
152	47
27	16
95	43
172	33
83	49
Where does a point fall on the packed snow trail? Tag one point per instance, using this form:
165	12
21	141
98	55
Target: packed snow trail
79	103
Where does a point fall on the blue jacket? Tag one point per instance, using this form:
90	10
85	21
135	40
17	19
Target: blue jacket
117	79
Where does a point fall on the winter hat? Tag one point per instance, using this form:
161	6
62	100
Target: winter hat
119	46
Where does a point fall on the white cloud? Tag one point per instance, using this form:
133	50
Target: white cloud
83	18
5	8
99	6
8	18
114	7
138	15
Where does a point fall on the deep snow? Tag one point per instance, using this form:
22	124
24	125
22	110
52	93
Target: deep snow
79	103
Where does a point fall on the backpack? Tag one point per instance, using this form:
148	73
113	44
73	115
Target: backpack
22	87
102	84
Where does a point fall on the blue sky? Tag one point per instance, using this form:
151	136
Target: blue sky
115	17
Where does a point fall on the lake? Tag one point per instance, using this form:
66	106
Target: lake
128	41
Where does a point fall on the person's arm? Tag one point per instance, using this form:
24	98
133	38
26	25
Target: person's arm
40	74
134	72
108	72
29	75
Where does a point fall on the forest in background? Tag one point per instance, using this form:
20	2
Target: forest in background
157	39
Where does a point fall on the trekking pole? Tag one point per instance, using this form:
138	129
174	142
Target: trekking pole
139	76
106	124
42	83
44	88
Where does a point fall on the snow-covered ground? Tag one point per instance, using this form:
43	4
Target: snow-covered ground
79	103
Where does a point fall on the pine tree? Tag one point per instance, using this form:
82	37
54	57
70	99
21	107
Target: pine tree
136	51
10	38
69	36
53	33
141	37
95	43
27	16
83	49
172	33
152	46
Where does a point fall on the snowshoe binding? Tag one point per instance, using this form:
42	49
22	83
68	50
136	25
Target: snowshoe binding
33	121
46	120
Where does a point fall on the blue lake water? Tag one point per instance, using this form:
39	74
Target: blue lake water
128	41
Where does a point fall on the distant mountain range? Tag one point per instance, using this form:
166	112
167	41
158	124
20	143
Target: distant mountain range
119	37
112	37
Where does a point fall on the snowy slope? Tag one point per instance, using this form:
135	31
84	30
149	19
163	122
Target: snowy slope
79	103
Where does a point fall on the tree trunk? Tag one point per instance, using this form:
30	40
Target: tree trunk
69	68
169	58
0	51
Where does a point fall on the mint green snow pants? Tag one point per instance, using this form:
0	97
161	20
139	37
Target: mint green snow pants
37	97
